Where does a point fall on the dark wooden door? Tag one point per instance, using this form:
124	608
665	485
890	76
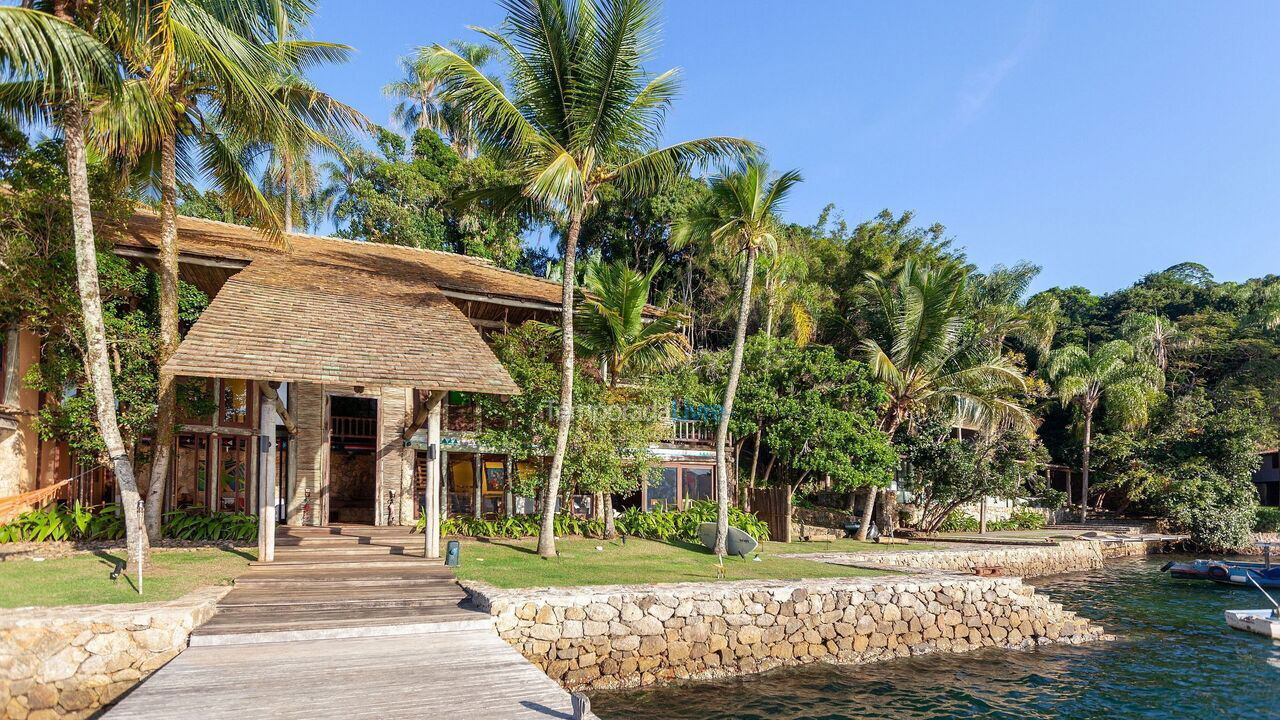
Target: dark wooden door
773	505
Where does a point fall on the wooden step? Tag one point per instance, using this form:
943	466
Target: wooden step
328	560
347	549
338	598
349	540
243	626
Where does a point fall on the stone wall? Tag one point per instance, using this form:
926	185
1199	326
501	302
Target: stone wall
66	662
618	636
1021	561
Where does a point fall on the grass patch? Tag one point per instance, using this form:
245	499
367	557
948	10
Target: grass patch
86	579
515	564
848	546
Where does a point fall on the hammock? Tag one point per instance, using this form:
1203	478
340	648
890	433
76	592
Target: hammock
12	507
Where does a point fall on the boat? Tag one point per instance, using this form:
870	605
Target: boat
1263	622
1264	574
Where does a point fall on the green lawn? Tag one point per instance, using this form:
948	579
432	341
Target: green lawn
848	546
86	579
515	563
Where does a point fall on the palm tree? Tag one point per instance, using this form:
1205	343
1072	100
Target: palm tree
1112	374
53	67
611	326
999	310
421	105
740	218
925	363
1156	337
582	113
207	75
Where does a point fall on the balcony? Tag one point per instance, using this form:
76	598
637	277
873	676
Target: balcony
692	432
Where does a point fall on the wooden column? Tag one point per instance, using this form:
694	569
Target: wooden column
267	419
508	497
478	470
432	507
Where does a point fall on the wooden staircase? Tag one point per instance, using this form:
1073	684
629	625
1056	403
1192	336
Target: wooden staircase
341	581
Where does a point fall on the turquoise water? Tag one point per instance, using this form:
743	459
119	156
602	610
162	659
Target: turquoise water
1174	657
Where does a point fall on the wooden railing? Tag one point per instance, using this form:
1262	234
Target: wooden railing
353	427
692	431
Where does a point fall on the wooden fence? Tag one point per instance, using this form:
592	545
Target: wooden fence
773	505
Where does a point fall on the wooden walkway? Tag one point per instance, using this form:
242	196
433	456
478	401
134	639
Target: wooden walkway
347	623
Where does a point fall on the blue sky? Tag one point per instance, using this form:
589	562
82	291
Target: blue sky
1101	140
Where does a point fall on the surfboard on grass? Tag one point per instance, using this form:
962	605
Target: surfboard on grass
737	543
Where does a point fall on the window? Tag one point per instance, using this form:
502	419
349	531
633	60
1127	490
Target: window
233	473
662	493
696	484
679	485
189	485
196	404
234	408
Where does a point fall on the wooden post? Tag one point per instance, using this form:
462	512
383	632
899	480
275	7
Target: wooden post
508	497
267	481
982	516
478	470
432	506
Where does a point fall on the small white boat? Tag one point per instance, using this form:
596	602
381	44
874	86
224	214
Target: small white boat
1263	622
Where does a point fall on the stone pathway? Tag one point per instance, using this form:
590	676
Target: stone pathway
348	622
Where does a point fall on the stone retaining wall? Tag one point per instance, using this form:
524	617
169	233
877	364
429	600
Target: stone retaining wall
66	662
621	636
1021	561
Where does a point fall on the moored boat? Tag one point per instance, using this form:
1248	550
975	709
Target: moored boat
1263	622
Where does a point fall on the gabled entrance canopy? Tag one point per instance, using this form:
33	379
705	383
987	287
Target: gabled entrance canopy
339	315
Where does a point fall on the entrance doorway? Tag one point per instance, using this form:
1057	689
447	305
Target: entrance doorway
353	435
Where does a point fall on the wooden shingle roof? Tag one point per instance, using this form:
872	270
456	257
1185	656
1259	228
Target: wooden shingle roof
333	312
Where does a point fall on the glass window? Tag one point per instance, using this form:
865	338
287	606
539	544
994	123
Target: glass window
235	402
190	482
662	492
696	484
233	461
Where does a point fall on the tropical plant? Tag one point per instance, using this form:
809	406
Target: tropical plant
1111	374
925	364
611	323
53	68
739	217
1156	337
197	523
421	105
583	112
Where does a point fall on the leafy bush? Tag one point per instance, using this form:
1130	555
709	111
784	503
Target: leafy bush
1019	520
107	523
196	523
1267	520
65	523
658	524
958	521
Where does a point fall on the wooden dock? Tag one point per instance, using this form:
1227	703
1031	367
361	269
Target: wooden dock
347	623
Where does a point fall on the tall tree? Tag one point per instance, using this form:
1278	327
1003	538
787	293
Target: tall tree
925	363
611	323
54	66
422	105
201	76
1112	374
740	218
1156	337
582	113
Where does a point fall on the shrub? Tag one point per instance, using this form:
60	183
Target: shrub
107	523
958	521
659	524
1267	520
197	523
1019	520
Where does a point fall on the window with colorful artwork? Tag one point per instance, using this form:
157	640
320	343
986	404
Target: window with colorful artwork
233	474
234	406
679	485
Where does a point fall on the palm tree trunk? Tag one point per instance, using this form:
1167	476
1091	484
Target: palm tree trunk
869	506
167	399
547	537
731	389
94	329
755	459
1084	470
288	193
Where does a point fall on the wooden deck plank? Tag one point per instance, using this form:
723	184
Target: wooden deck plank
472	674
